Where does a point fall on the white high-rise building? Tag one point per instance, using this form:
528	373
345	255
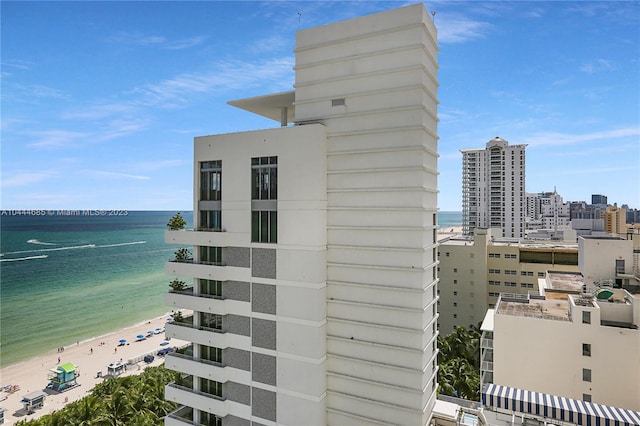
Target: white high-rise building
493	188
314	250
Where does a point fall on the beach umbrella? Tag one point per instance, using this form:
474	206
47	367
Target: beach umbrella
140	337
158	330
122	341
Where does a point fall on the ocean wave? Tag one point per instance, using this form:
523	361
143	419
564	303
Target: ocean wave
42	256
85	246
52	249
122	244
34	241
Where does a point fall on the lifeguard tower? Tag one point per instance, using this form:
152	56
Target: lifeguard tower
116	368
32	401
63	377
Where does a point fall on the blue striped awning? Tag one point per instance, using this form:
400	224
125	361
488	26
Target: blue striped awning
575	411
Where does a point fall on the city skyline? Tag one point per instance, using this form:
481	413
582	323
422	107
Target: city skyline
101	100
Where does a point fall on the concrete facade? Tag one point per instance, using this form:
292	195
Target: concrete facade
339	326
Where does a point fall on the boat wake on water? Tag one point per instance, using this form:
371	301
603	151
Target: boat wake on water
43	256
34	241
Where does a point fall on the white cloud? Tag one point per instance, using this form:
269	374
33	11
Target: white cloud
55	138
599	65
457	29
24	178
559	139
138	39
102	174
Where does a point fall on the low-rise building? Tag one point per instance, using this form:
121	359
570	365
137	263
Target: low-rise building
475	270
578	337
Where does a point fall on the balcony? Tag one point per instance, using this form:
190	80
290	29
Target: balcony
185	330
206	303
207	237
207	270
183	393
183	416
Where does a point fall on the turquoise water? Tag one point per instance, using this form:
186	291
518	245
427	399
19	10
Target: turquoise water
449	218
70	278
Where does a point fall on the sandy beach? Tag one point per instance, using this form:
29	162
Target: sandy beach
90	357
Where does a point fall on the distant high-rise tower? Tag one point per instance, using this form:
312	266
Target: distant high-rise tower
598	199
493	190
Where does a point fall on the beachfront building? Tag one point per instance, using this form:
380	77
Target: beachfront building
493	188
314	250
473	271
577	338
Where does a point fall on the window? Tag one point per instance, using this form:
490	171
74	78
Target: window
455	304
455	315
494	271
211	180
211	387
526	285
526	273
586	374
586	397
540	274
455	293
264	226
264	177
494	255
210	419
586	317
493	294
492	282
210	320
211	255
210	219
510	284
510	272
510	256
455	281
586	349
447	254
212	354
455	269
210	288
264	196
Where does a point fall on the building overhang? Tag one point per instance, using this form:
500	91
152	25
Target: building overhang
277	106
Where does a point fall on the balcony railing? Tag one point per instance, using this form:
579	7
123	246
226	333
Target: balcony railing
189	357
198	262
188	322
186	384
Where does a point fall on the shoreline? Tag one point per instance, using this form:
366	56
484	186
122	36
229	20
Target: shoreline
90	356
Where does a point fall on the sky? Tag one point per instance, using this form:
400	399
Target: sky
100	101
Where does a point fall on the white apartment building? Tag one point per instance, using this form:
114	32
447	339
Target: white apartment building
571	341
473	271
547	210
314	257
493	188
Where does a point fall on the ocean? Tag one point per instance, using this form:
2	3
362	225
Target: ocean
67	278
